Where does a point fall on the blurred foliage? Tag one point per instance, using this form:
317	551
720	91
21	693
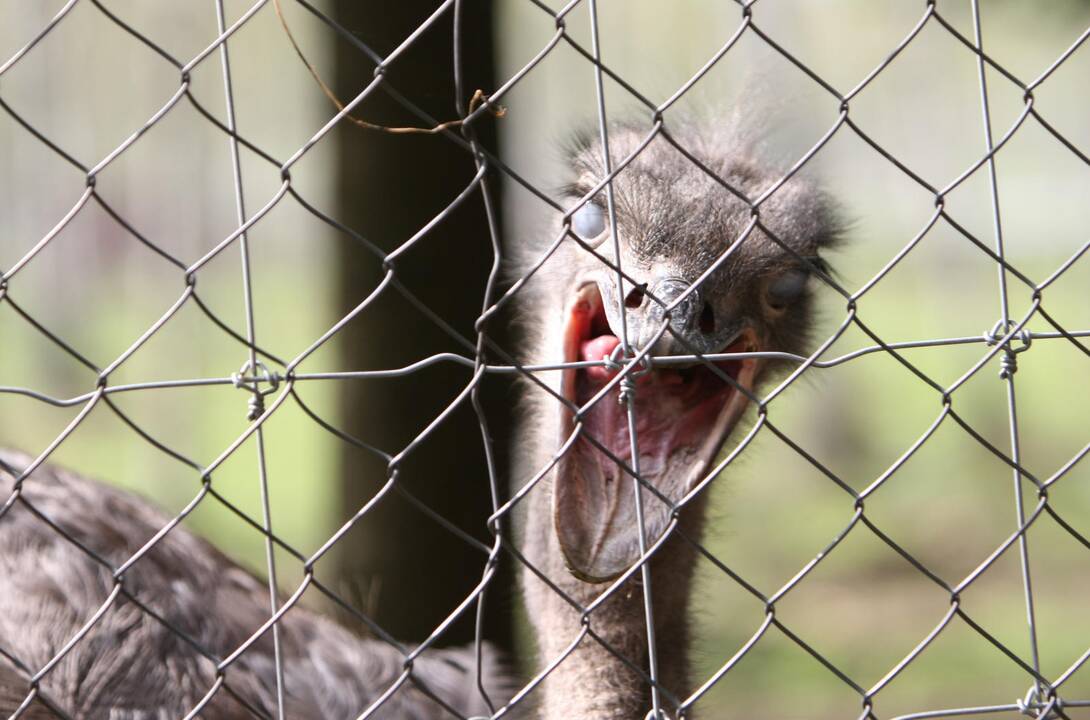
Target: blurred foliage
863	607
86	86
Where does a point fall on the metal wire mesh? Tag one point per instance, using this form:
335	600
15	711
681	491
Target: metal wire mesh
271	382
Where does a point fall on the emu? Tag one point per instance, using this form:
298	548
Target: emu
677	226
674	226
132	665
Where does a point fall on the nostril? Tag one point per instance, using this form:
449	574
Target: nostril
707	320
635	298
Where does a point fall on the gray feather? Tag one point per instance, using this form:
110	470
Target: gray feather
132	666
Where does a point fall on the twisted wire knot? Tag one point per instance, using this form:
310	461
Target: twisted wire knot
1008	363
626	388
251	378
613	360
255	406
1032	706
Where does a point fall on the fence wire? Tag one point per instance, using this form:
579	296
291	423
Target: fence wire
271	382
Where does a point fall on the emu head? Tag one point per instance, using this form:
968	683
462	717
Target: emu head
701	277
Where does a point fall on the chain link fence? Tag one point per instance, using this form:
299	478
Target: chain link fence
1024	320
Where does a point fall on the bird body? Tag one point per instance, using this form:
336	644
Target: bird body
153	652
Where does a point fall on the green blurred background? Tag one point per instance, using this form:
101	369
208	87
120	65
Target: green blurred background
88	86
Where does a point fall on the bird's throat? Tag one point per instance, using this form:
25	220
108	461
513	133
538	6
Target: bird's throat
679	419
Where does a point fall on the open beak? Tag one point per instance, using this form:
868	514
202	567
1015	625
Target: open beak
683	417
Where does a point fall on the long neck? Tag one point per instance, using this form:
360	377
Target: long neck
591	683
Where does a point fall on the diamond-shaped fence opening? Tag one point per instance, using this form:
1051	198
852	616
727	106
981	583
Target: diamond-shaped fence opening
766	390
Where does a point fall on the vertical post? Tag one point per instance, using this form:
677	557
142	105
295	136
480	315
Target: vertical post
391	185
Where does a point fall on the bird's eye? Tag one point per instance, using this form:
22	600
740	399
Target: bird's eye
786	289
589	221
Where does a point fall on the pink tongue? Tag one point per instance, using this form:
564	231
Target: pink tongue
599	348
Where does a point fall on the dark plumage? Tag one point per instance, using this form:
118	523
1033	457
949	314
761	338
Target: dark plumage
130	666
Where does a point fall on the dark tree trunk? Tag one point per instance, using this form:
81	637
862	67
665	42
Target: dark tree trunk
411	571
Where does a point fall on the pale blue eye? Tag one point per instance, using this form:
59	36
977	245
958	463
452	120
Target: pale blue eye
589	221
787	288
